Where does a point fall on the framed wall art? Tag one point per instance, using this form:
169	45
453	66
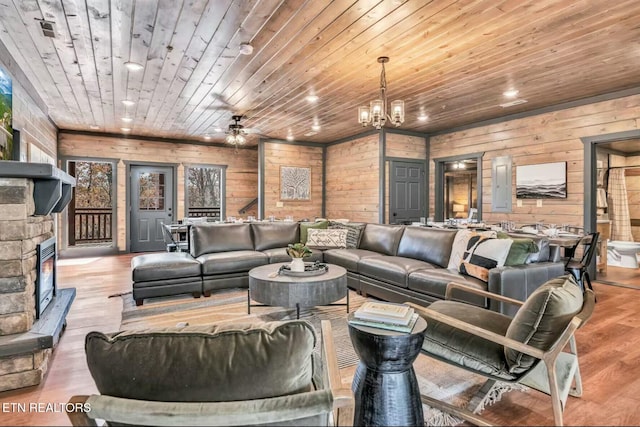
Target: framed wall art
6	119
295	183
542	181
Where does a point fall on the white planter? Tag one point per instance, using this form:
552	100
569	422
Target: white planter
297	264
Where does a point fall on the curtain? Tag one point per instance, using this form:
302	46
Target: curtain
619	206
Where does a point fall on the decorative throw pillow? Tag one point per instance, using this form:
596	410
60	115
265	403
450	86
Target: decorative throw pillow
327	239
305	226
461	243
520	250
354	229
484	254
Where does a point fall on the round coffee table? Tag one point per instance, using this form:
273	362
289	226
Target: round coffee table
272	289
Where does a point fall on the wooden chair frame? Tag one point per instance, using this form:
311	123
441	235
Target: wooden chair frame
333	397
551	362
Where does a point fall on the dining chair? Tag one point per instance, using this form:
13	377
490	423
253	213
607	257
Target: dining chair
173	245
579	267
529	349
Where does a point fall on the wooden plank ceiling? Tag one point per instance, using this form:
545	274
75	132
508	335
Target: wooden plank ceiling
450	60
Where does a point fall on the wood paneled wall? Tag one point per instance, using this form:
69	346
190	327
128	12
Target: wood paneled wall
543	138
279	154
400	146
352	182
33	124
241	174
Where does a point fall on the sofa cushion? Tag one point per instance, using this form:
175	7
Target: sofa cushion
223	362
542	318
427	244
347	258
231	262
471	351
381	238
163	266
327	239
305	226
280	255
211	238
484	254
461	244
433	282
270	235
355	230
392	269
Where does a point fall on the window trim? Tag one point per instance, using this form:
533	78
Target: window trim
223	186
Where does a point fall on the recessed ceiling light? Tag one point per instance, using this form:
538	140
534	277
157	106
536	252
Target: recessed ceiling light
511	93
246	49
207	137
312	98
125	129
315	128
128	102
217	129
423	117
94	127
289	137
133	66
127	119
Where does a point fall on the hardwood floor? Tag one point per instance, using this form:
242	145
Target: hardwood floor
606	345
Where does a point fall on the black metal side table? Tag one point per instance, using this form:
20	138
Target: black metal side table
385	386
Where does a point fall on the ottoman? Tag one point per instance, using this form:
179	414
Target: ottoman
163	274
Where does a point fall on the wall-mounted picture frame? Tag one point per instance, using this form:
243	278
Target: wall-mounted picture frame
295	183
6	116
542	181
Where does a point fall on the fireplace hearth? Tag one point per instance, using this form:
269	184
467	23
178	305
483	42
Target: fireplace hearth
45	275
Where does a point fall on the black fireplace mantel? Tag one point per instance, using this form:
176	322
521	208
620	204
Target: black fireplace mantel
52	186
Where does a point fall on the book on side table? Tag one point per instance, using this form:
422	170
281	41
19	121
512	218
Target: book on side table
383	315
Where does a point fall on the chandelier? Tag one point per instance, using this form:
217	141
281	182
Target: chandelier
236	133
376	114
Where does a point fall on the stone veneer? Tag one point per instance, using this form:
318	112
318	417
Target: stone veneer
20	233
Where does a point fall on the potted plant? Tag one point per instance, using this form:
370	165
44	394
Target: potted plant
298	251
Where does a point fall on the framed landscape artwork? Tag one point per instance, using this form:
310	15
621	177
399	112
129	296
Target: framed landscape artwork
295	183
6	132
542	181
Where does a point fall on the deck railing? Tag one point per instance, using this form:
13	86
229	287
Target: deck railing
91	225
209	212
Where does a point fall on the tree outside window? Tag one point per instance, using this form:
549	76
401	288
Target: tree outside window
204	191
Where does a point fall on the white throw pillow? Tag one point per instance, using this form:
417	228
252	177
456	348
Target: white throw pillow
327	239
460	243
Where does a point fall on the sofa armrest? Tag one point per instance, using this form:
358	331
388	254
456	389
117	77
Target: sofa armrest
518	282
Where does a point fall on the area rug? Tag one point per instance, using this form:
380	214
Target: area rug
436	379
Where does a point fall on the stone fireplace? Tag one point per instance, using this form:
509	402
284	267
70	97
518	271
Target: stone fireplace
28	331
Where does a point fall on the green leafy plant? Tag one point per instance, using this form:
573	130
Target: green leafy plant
298	250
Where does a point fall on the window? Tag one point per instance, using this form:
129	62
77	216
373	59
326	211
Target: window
204	191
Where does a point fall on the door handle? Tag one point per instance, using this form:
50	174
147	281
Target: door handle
395	214
169	215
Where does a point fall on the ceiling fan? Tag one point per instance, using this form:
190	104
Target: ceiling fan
236	135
